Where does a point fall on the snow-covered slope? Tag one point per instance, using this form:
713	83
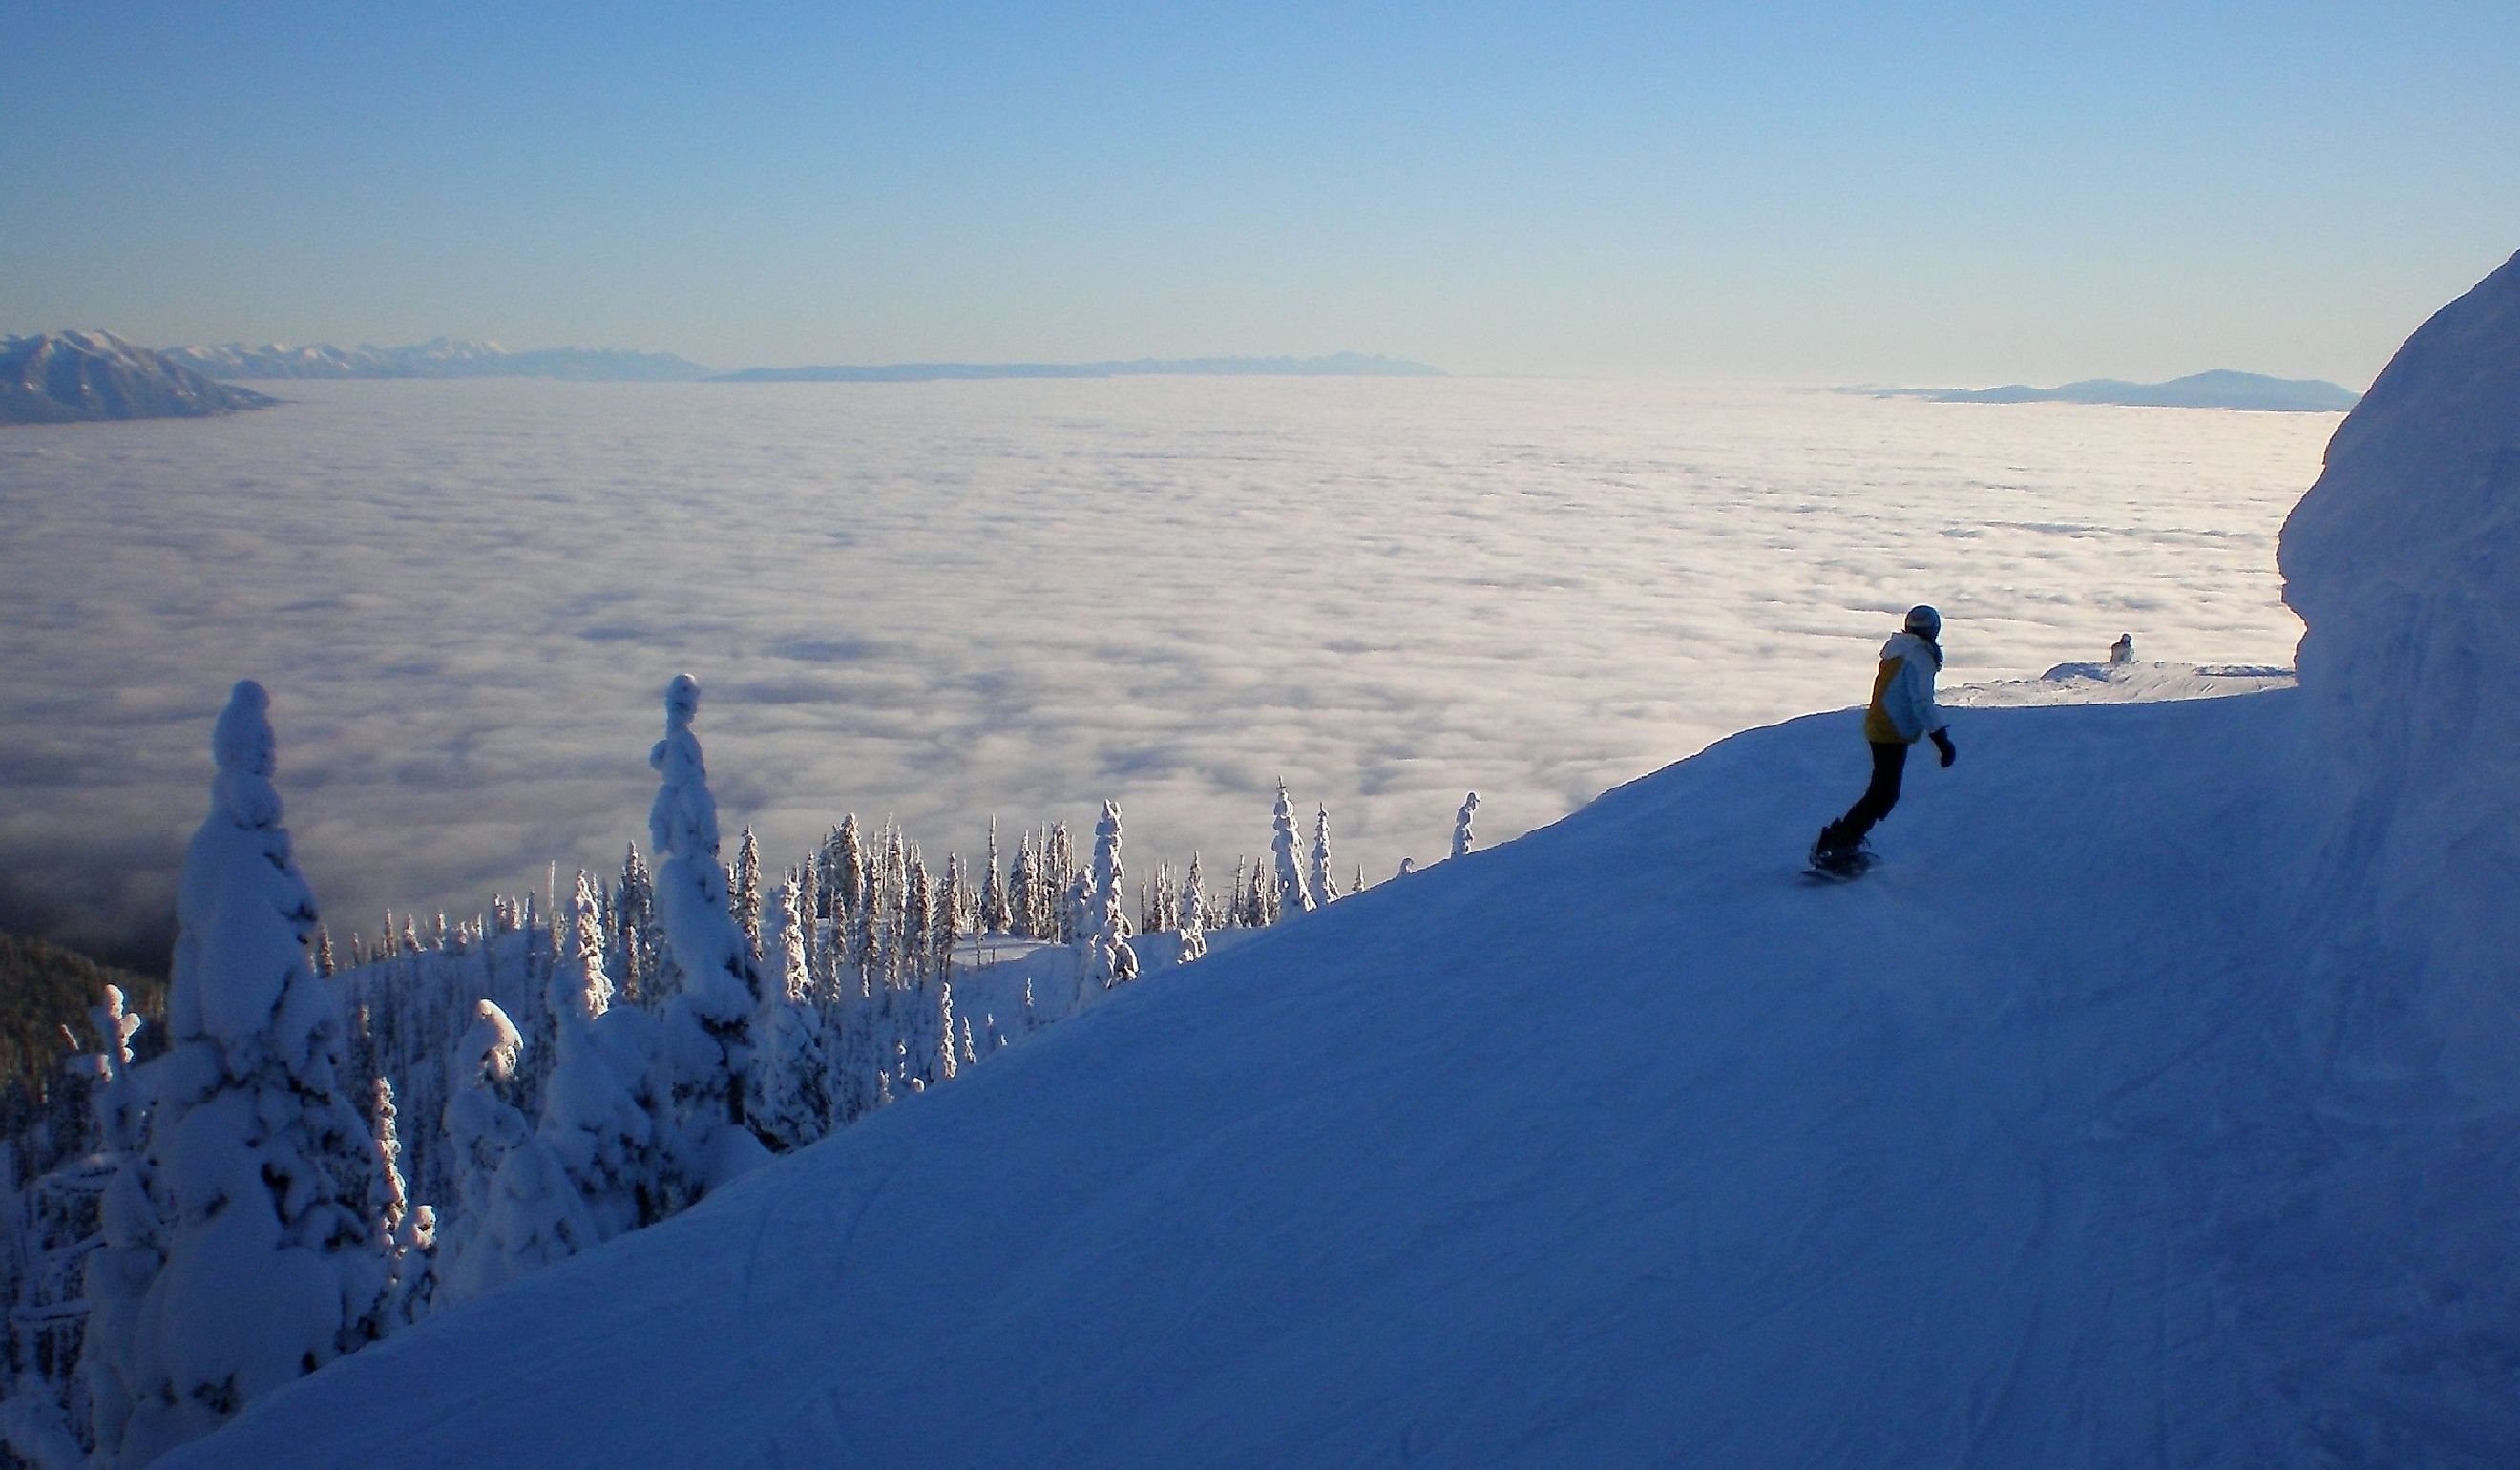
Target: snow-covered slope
2080	1135
1613	1146
64	377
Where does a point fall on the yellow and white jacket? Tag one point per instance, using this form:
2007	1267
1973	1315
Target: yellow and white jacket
1903	708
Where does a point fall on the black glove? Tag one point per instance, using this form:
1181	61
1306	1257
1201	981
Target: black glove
1943	742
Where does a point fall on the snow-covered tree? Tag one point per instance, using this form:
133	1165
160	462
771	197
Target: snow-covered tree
891	901
1461	838
809	900
519	1211
51	1234
1293	894
1193	914
744	884
791	1104
1059	884
866	944
481	1126
1109	960
947	926
406	1235
707	1043
846	883
633	922
257	1167
996	916
917	938
600	1117
1325	886
1025	882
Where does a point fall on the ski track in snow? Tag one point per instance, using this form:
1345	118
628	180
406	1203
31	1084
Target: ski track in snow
1613	1146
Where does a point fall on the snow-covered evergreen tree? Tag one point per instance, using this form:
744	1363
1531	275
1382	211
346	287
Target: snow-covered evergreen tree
51	1232
1025	882
790	1104
707	1043
1325	886
917	940
634	905
1193	914
744	884
1291	894
520	1212
948	924
866	944
1058	884
809	899
256	1166
891	899
600	1117
481	1126
997	916
1461	838
1109	960
847	884
406	1235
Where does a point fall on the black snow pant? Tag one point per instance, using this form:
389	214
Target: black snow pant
1889	762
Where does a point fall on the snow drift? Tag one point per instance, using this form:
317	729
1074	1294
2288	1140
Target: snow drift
1617	1146
2404	561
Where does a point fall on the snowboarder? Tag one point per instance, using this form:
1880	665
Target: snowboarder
1903	713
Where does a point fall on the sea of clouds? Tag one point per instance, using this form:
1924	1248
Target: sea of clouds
938	601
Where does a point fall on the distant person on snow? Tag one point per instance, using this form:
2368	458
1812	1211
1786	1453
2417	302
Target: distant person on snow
1903	713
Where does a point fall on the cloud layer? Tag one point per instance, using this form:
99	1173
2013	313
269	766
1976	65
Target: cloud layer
942	601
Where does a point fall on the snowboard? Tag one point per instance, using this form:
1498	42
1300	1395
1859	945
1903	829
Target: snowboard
1854	868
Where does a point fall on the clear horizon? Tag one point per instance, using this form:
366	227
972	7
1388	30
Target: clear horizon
1807	195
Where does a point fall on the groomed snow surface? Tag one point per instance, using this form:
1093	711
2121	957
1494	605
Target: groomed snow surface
1615	1145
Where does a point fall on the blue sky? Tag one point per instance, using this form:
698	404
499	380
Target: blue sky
1792	193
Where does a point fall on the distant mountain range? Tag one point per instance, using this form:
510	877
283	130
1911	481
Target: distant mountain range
2220	388
439	357
443	357
1336	365
67	377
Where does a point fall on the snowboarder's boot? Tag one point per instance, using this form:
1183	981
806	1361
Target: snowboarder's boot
1831	852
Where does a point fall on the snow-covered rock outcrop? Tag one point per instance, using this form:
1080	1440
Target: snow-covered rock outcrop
2404	561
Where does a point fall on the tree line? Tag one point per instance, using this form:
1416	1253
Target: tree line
190	1230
